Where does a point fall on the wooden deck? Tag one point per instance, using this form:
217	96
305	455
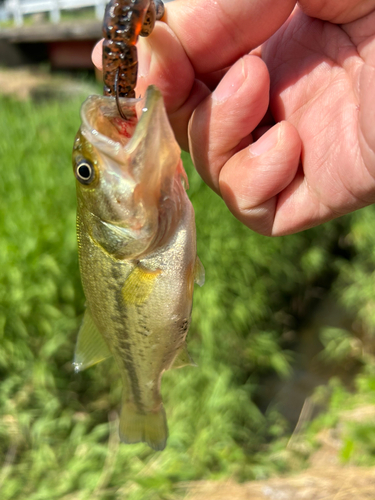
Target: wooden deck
48	32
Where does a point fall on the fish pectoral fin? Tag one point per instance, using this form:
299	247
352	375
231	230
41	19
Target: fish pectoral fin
150	427
199	274
139	285
91	347
183	358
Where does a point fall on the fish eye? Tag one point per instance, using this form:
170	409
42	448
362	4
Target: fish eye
85	172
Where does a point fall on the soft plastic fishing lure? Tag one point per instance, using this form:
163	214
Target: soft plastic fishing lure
124	21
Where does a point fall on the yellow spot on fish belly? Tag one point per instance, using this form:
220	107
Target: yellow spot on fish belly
139	285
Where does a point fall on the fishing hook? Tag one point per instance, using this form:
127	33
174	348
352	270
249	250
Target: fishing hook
119	109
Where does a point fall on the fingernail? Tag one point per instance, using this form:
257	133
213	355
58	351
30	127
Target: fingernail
265	143
231	83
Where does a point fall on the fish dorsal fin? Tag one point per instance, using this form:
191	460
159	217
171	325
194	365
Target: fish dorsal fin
91	347
139	285
199	274
183	358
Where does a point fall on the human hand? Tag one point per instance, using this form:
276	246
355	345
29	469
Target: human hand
319	102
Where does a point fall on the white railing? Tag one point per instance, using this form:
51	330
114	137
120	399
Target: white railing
19	8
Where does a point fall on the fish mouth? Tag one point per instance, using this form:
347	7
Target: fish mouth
111	134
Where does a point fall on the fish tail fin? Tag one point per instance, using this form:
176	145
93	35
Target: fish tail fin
150	428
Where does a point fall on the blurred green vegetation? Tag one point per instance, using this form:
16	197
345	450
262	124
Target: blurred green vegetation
58	435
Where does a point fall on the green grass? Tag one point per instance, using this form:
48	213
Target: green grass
58	436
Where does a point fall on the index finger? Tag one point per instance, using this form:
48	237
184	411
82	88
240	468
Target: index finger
215	33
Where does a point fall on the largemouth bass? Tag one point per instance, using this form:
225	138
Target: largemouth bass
137	253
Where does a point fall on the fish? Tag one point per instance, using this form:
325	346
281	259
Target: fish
137	253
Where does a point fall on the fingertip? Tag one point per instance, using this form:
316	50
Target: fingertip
96	55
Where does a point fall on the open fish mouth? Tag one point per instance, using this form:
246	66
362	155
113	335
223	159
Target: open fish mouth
105	129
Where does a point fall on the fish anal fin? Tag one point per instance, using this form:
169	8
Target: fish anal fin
183	358
91	347
139	285
150	428
199	274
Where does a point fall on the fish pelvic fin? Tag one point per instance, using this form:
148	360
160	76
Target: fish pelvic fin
150	428
91	347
